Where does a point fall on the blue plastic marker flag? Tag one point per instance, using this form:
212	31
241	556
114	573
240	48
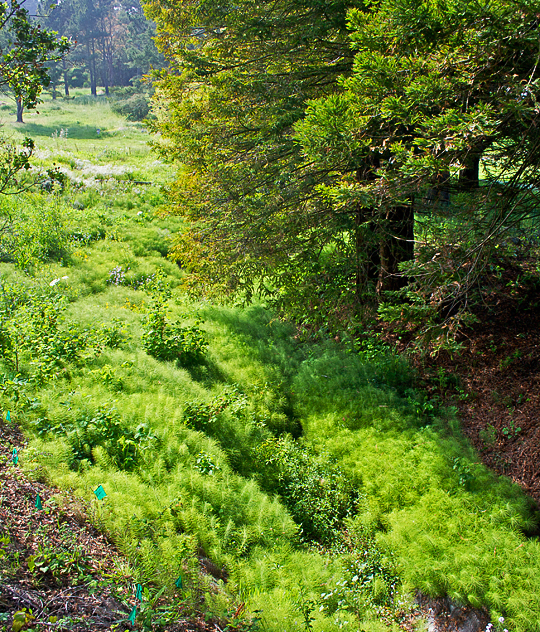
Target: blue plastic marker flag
138	592
8	416
100	493
15	456
38	502
178	582
133	615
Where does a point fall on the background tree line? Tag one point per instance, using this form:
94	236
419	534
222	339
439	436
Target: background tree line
112	43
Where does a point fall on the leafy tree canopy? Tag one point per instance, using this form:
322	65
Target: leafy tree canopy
26	48
437	92
309	155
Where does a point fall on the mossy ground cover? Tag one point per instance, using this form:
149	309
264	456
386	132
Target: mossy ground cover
289	486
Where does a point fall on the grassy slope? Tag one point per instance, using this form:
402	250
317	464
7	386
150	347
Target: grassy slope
427	512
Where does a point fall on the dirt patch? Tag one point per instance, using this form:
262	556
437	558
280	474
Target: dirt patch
494	382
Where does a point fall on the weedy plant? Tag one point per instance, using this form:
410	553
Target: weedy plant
64	565
166	341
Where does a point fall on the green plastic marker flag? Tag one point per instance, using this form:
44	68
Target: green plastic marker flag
8	416
178	582
133	615
38	502
15	456
138	592
100	493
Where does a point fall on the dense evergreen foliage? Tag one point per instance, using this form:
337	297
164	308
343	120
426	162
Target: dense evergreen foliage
336	154
237	85
442	108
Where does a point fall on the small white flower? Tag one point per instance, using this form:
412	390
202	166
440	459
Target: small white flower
501	619
55	281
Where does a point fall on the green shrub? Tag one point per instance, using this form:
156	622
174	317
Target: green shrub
36	231
316	492
105	429
166	341
370	581
134	108
173	342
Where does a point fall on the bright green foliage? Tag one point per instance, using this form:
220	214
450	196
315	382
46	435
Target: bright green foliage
187	345
367	452
103	428
205	465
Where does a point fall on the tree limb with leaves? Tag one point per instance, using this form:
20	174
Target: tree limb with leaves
25	50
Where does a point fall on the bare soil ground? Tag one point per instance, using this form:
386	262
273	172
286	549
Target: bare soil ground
495	381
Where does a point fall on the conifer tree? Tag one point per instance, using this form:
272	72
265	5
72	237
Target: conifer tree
437	91
240	78
303	179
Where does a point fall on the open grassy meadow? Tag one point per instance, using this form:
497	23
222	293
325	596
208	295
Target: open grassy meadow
265	482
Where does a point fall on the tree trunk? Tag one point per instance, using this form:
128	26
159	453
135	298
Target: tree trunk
367	252
20	109
396	246
469	178
92	68
367	259
105	68
66	81
438	196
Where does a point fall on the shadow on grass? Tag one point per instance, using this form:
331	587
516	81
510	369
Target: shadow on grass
77	132
270	340
207	373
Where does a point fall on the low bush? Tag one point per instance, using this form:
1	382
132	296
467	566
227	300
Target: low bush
166	341
35	231
318	495
134	108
